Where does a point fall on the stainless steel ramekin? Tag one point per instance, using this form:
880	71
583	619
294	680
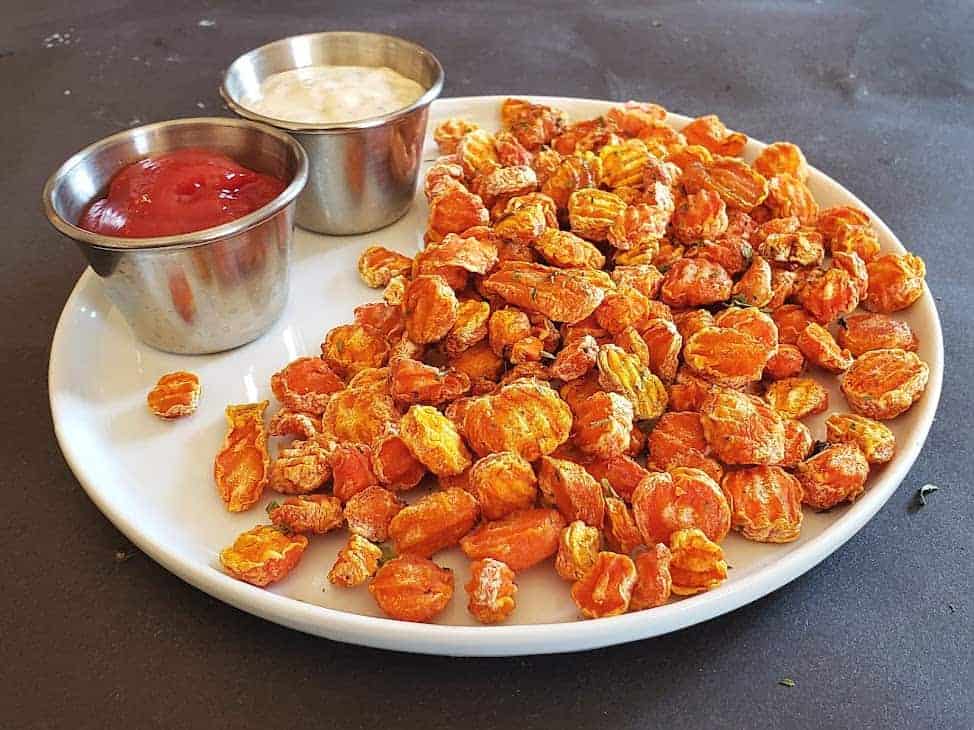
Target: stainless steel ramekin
363	174
198	292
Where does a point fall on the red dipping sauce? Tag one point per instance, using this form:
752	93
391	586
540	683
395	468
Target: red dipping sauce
179	192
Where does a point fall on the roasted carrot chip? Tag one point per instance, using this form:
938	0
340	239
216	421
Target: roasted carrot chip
242	464
175	395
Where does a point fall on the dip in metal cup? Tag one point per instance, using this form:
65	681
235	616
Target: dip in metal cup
198	292
363	173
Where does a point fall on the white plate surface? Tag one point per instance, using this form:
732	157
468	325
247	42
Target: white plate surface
153	479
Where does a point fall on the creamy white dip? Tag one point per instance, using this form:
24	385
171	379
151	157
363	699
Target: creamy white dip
329	94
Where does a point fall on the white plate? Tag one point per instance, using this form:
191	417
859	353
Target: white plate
153	479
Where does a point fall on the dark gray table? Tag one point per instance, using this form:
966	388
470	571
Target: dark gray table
880	635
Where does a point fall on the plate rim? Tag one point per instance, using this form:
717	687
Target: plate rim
505	640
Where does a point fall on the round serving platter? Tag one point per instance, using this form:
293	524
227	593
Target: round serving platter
153	479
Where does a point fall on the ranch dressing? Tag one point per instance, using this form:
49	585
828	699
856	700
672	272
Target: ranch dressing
331	94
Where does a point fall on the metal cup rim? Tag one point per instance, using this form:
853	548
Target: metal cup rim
335	127
183	240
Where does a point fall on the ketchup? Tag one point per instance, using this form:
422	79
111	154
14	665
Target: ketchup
179	192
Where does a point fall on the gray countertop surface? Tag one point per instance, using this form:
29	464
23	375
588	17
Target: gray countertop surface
879	95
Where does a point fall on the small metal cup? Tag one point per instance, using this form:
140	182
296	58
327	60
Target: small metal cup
198	292
363	173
